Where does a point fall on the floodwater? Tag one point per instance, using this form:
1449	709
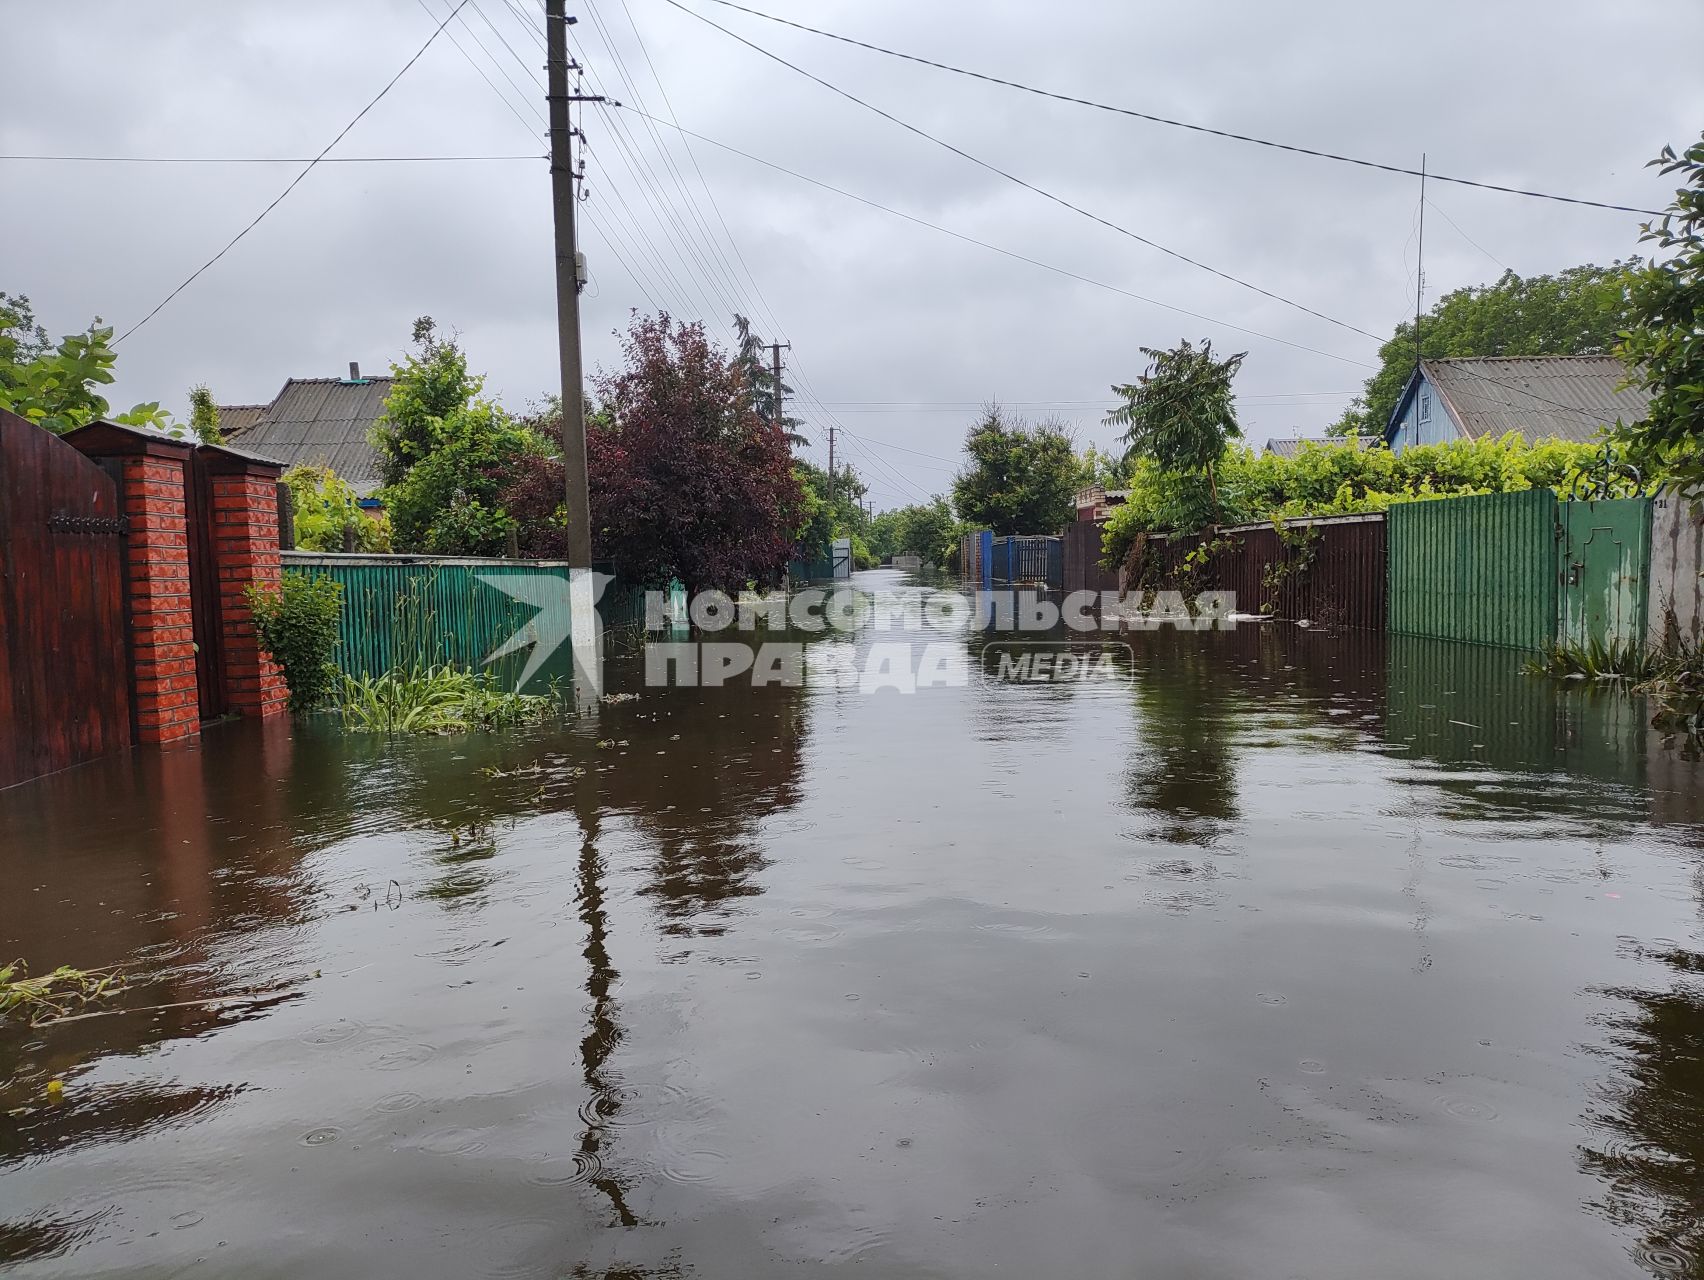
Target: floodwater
1295	955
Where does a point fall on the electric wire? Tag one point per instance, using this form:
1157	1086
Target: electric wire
1182	124
480	71
1011	253
265	159
1024	183
294	182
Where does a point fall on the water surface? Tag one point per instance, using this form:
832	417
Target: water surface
1296	955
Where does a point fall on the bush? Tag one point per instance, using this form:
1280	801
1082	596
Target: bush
1339	479
325	506
297	626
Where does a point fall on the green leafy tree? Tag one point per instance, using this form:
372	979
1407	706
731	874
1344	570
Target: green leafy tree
1108	470
1019	478
1181	413
822	518
758	375
1577	312
446	452
430	385
328	515
924	529
1663	344
22	340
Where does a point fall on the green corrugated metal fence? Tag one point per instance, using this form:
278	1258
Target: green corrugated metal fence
403	611
1479	569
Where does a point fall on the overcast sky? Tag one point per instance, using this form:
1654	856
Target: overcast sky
898	330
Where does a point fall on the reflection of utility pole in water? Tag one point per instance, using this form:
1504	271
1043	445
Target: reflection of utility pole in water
605	1032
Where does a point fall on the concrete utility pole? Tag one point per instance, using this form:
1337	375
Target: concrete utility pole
831	462
775	391
582	591
564	200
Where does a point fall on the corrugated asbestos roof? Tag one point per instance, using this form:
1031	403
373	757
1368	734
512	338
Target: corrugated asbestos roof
1289	448
320	422
1541	397
234	419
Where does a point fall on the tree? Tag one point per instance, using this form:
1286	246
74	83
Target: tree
921	529
1181	413
54	386
1577	312
688	481
1020	479
445	452
22	340
758	374
328	516
1663	344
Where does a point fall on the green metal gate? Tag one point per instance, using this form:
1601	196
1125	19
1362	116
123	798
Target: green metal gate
1479	569
1603	556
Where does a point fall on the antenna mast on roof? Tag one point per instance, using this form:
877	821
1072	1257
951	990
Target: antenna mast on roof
1420	264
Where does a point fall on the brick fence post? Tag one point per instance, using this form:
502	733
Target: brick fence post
152	471
244	512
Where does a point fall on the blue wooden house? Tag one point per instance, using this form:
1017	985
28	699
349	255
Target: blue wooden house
1538	397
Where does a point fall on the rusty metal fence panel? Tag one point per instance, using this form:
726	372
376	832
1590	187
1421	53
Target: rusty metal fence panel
1328	572
1082	559
1479	569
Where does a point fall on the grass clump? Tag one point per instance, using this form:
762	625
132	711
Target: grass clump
53	995
438	699
1598	660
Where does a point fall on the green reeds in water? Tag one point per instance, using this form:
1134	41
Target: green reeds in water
438	699
1597	660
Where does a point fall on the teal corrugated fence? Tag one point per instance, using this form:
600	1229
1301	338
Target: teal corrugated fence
1479	569
407	611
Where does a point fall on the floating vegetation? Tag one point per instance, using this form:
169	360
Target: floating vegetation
53	995
442	699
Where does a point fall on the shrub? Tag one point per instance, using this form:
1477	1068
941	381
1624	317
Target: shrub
1339	479
325	506
297	626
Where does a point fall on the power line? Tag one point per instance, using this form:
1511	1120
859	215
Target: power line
634	161
698	169
294	182
1183	124
480	71
717	259
1028	186
264	159
1433	206
1010	253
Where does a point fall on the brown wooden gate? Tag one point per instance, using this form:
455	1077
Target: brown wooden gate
64	672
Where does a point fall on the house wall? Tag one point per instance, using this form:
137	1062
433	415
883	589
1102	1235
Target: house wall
1439	428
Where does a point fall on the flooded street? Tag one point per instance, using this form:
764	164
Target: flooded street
1295	954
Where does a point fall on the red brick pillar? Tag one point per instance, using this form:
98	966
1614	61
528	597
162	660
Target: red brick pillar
244	512
152	471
